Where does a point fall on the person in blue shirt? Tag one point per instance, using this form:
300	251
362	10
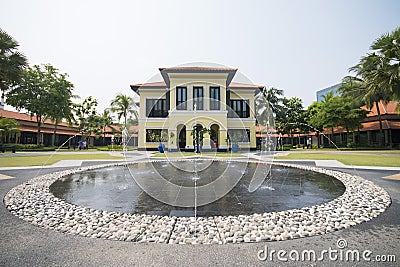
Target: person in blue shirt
80	144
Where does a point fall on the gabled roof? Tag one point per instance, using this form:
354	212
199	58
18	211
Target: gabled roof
234	85
389	108
162	85
165	71
155	85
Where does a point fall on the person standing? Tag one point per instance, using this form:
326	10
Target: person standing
80	144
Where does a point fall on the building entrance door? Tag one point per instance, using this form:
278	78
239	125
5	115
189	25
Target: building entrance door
182	138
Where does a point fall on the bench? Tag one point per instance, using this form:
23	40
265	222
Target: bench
5	148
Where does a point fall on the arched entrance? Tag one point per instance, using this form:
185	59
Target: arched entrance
214	142
181	129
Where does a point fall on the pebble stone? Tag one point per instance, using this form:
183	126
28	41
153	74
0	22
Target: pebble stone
33	202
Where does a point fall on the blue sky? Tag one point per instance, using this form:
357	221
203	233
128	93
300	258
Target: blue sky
298	46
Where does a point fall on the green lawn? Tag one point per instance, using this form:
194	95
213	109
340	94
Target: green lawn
348	159
20	161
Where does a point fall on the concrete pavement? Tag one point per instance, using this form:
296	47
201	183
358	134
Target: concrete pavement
22	244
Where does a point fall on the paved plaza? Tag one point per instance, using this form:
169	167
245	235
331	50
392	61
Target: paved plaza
23	244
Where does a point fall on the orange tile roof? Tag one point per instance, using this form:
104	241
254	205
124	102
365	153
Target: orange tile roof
47	127
386	124
389	108
15	115
25	128
132	128
25	117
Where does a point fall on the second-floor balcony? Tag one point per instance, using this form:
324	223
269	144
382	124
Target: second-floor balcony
156	108
239	109
158	114
238	114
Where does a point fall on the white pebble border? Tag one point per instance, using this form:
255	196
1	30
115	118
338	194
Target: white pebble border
33	202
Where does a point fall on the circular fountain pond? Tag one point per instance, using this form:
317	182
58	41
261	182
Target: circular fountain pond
107	201
114	189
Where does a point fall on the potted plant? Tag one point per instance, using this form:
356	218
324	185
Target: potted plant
159	138
234	139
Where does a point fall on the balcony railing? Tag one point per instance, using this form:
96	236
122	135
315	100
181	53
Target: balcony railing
238	114
158	114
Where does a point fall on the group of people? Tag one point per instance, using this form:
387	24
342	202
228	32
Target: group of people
82	145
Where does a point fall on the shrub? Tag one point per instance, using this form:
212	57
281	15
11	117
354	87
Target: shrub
113	148
285	147
29	147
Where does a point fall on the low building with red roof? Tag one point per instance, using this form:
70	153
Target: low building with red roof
367	135
67	135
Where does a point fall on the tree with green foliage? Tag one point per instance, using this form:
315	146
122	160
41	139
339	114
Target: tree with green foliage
314	119
60	106
359	92
8	126
350	115
86	117
351	120
105	121
381	67
274	97
332	112
123	106
290	118
377	76
43	92
12	63
335	111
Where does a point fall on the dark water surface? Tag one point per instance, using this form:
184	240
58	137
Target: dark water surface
114	189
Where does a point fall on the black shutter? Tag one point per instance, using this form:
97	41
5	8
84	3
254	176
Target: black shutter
167	100
228	97
149	106
247	108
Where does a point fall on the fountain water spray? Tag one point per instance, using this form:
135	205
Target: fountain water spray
195	176
124	139
58	149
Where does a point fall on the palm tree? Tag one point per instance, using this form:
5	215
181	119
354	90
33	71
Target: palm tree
377	76
268	107
106	121
365	91
274	97
386	54
123	105
11	63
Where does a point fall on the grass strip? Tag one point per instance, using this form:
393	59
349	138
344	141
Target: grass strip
21	161
348	159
